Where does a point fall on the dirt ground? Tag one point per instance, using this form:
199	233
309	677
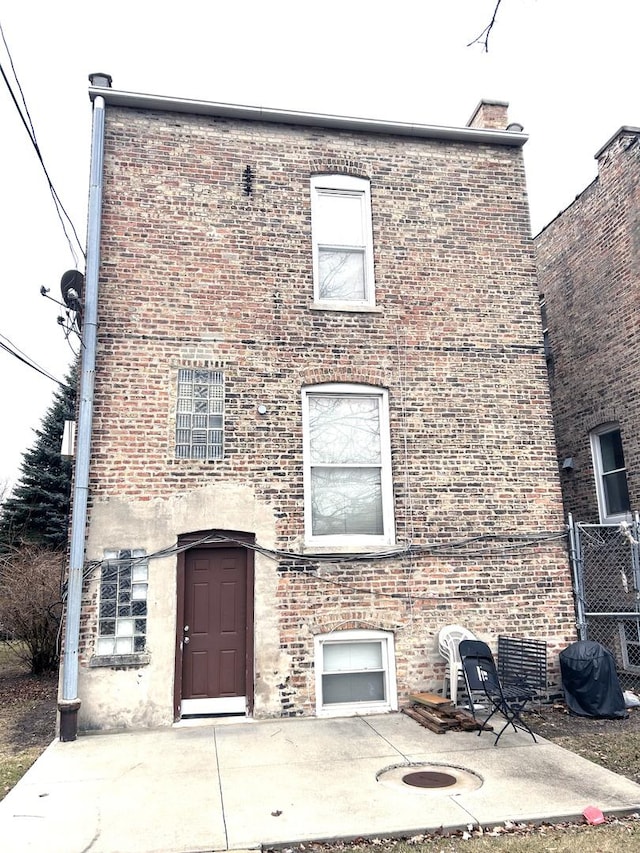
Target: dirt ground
27	717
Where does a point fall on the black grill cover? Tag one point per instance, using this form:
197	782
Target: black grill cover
590	681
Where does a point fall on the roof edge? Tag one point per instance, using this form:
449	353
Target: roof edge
135	100
624	129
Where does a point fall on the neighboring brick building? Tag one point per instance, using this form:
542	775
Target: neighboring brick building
588	262
318	347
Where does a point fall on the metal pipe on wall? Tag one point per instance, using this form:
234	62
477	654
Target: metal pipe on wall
69	702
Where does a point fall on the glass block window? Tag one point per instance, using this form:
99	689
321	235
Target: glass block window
200	414
122	609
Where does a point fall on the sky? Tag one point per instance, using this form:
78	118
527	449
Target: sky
568	68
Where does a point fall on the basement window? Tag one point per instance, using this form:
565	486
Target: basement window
629	630
355	673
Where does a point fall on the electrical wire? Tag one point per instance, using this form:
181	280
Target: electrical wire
457	549
13	350
28	125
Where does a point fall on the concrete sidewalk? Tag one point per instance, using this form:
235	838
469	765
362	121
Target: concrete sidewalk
230	786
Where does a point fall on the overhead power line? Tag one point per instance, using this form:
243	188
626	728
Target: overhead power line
13	350
25	117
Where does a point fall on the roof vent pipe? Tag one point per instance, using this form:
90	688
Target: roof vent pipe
98	78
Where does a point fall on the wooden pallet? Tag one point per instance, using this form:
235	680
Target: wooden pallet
440	716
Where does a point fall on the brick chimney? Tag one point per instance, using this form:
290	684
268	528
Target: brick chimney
490	115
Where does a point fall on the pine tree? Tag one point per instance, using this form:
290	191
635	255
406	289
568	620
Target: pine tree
37	512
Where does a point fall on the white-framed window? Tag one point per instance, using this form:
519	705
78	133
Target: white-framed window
200	414
122	606
610	474
355	673
342	242
347	465
629	630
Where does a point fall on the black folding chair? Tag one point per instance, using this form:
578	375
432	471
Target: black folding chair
481	678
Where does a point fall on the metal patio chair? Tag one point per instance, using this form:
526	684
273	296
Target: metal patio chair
481	678
448	641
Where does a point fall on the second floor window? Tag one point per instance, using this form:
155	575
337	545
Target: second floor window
199	414
342	241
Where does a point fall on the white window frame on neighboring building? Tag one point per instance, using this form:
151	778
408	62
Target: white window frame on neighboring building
378	398
602	471
347	233
374	667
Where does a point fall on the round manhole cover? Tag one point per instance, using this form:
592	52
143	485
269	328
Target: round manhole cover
429	779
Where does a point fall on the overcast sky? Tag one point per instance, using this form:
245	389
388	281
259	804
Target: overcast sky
569	69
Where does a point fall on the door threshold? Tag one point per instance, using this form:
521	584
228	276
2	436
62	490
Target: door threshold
194	720
213	715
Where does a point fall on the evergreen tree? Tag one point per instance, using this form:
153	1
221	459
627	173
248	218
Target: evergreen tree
37	511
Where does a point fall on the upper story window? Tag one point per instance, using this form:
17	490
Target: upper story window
199	414
610	473
348	487
342	242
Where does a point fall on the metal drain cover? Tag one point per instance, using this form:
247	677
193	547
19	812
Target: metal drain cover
429	779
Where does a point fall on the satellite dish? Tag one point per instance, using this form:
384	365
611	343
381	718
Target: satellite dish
72	288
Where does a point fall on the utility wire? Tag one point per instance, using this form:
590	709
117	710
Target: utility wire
13	350
28	125
459	548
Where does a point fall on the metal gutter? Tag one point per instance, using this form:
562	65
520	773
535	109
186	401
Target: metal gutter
139	101
69	703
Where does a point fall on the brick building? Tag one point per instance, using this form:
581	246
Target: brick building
588	261
321	427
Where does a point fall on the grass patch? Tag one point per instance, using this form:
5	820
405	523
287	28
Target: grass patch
13	767
8	656
27	717
614	836
613	750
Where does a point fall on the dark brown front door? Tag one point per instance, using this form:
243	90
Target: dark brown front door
214	657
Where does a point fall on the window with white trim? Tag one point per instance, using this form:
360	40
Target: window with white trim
610	473
347	465
629	630
342	241
355	672
122	607
199	414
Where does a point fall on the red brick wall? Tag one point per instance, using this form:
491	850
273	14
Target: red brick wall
193	270
588	260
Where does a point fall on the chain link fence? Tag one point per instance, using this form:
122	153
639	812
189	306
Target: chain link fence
605	561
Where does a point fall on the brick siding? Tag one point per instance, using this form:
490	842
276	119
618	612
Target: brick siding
195	271
588	260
